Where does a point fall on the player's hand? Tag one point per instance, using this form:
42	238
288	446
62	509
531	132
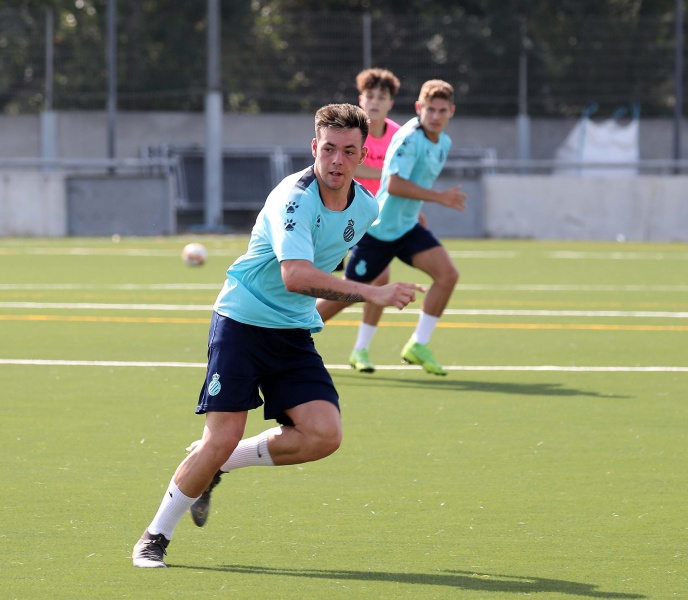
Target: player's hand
395	294
422	220
453	198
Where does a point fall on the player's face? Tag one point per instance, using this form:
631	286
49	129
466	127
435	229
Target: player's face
434	116
376	103
337	154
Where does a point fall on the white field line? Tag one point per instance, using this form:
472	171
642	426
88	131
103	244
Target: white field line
464	254
525	287
114	251
452	312
174	365
112	286
573	255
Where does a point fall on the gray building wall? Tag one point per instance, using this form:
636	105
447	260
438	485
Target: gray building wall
84	134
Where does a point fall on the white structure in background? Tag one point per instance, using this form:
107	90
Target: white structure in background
609	142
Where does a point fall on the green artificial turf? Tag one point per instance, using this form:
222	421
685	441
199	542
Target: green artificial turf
527	471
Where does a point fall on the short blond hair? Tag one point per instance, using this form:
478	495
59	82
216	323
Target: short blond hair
436	88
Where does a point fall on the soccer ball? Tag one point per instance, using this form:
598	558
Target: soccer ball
194	254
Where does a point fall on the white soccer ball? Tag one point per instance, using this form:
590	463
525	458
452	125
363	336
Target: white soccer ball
194	254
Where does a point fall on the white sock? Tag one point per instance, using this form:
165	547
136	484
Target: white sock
251	452
172	508
426	325
365	336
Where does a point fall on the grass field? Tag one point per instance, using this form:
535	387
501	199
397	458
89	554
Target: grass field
550	462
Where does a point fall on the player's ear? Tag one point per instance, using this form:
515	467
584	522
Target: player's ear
418	106
364	154
360	100
314	147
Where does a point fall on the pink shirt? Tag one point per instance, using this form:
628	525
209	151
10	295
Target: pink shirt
377	148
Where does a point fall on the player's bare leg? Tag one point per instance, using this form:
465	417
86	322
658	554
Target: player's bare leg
359	358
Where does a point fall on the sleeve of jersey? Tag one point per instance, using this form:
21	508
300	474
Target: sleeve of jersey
404	158
290	224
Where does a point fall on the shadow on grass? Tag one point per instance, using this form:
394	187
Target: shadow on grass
464	385
464	580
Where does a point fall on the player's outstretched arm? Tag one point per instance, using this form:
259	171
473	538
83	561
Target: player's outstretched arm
451	198
397	294
302	277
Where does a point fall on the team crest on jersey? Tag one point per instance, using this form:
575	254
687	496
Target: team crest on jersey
292	206
289	225
349	232
361	268
214	386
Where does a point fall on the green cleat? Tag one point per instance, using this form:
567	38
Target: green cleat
360	361
419	354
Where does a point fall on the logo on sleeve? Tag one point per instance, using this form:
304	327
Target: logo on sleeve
292	206
289	224
349	232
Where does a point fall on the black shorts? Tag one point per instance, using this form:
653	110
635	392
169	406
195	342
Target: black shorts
370	256
245	362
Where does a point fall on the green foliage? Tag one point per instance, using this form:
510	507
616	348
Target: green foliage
295	55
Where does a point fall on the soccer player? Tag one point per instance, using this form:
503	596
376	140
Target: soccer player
377	89
413	162
260	340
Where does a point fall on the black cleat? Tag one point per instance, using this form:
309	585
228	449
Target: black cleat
199	509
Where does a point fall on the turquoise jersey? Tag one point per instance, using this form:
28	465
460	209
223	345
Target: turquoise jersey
294	224
411	156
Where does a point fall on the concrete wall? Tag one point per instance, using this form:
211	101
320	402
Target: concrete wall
640	208
84	134
123	205
56	205
32	204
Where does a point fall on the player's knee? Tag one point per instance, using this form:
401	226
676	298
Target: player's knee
448	278
325	440
217	451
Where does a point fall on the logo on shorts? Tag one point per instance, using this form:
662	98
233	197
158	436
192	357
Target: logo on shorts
215	386
361	268
349	232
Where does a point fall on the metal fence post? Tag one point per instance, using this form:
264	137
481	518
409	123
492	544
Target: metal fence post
213	122
367	40
678	77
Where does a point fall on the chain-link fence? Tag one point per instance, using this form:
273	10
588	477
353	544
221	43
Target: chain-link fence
297	62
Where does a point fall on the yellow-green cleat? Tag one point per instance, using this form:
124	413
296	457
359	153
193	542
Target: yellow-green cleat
360	361
419	354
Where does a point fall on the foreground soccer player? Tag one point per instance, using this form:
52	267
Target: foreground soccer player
260	334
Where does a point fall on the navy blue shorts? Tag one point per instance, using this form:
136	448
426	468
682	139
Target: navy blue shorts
246	362
370	256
